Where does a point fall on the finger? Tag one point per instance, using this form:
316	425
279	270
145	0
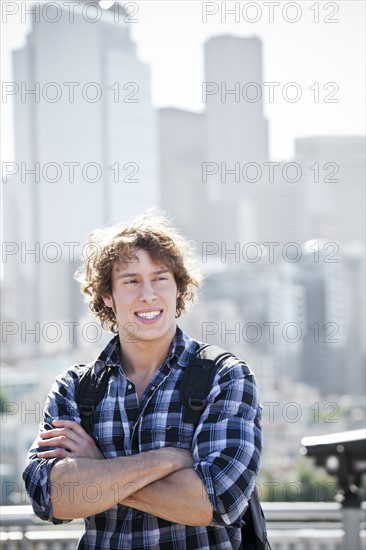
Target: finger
67	433
58	424
72	425
68	428
52	442
54	453
60	441
49	433
86	450
70	441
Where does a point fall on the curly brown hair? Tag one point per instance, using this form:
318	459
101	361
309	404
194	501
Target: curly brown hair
118	245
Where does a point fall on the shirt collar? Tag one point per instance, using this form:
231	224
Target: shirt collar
110	356
182	348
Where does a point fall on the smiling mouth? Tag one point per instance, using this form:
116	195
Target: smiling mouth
148	314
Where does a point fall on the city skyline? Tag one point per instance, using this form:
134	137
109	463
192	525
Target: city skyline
229	132
322	60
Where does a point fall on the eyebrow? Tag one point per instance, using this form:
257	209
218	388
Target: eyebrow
125	275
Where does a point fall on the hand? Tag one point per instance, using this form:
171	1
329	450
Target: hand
70	439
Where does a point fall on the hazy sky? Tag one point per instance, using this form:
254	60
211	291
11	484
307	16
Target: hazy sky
170	37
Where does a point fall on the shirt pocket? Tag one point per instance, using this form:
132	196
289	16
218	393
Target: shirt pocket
176	433
168	431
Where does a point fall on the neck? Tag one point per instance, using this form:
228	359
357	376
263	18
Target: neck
143	358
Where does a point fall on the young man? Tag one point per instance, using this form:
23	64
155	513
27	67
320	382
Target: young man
144	478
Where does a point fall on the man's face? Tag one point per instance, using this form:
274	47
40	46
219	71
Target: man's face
144	298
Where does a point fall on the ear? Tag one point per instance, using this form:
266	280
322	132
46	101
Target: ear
108	301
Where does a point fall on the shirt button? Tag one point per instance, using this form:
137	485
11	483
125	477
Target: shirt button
168	426
129	386
152	388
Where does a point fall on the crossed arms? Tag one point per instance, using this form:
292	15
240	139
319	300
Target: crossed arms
68	477
161	481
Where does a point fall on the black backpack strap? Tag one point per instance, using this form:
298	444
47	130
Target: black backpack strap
195	386
197	380
254	532
89	393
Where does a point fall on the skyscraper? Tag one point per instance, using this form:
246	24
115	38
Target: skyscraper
236	133
91	115
324	360
319	195
181	154
334	169
86	144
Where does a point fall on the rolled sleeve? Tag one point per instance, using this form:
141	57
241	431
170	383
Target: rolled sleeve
227	445
60	404
36	477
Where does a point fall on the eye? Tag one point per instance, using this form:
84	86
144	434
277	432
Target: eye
131	282
161	278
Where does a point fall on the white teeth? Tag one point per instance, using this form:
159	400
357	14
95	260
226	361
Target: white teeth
148	315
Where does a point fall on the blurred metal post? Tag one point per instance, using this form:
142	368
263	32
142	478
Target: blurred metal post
352	540
351	511
343	455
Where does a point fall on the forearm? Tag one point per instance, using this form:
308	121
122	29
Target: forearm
180	498
82	487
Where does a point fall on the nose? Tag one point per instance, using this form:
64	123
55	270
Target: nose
147	292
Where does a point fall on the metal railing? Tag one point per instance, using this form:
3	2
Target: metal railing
291	526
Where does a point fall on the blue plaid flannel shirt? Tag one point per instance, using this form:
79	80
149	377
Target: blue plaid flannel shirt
226	448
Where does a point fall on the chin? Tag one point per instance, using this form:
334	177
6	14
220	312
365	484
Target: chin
153	333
